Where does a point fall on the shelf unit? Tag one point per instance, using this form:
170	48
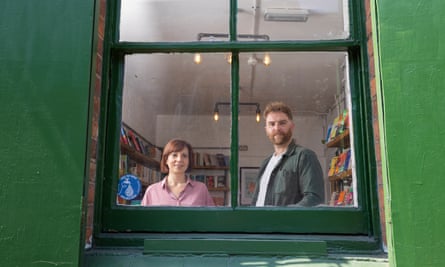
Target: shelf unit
341	182
210	175
341	140
138	157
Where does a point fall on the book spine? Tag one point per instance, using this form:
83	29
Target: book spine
124	138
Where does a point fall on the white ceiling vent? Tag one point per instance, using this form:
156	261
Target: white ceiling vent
286	14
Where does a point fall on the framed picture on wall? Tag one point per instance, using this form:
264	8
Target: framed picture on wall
248	181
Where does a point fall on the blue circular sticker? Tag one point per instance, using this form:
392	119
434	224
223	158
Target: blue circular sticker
129	187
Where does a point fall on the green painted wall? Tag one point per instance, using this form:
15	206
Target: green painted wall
411	43
45	59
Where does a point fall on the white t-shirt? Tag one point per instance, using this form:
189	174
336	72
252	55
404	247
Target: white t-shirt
264	181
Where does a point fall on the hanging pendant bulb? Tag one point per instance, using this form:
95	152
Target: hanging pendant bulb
216	113
197	58
267	60
258	114
229	58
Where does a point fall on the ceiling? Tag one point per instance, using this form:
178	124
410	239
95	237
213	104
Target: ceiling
309	82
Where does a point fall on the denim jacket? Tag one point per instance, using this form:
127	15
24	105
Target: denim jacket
296	180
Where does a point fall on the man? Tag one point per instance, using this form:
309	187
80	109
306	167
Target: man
292	175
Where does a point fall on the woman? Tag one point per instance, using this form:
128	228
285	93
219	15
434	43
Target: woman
177	189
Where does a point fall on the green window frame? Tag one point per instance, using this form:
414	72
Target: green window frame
128	226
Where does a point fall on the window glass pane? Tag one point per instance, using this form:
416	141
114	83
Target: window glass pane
168	96
315	86
172	20
293	19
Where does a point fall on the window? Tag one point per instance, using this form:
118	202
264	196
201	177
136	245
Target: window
172	64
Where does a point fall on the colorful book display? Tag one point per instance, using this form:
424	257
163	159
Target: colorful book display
339	173
131	139
340	163
338	126
139	158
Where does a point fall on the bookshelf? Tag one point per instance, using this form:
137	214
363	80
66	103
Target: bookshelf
213	170
140	158
341	140
340	167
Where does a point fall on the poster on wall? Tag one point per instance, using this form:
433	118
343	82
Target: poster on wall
248	182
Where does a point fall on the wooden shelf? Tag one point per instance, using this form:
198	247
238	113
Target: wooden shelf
139	157
341	176
341	140
219	194
210	167
219	189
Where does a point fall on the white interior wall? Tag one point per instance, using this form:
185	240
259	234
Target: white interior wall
207	135
203	131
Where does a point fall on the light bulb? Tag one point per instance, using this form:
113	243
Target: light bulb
229	58
216	116
197	58
267	60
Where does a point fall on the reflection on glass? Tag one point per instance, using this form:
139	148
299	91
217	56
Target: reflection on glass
172	20
315	87
294	19
170	96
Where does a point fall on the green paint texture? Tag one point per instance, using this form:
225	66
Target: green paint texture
411	45
45	54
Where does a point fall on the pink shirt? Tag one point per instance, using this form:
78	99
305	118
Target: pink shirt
194	194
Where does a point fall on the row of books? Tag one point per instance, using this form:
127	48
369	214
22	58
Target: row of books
212	181
131	139
145	175
340	163
210	160
338	126
342	198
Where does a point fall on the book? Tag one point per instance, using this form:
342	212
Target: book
347	164
342	122
341	198
141	145
122	164
334	128
206	159
349	196
341	163
220	181
226	160
200	178
124	138
332	166
210	181
346	119
334	197
213	160
328	133
133	140
221	161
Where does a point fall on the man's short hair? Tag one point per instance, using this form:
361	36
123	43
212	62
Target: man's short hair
278	106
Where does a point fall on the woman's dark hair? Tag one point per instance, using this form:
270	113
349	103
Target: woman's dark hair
176	145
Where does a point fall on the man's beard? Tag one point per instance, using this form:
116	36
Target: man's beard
281	138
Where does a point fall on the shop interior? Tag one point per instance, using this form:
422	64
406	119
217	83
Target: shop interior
177	95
